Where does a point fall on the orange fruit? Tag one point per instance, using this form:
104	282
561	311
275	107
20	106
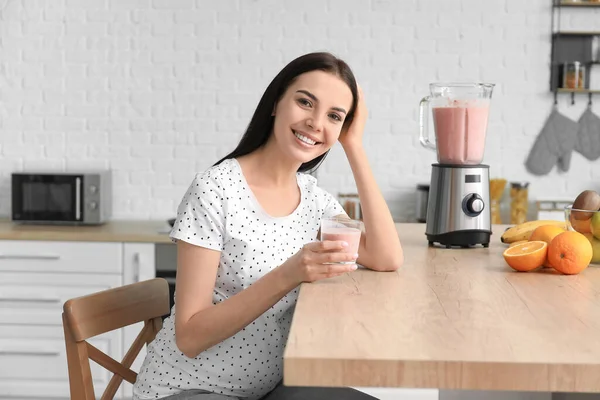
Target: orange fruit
546	233
526	256
518	242
570	252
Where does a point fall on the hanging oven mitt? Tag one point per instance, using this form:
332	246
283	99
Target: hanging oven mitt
564	160
588	137
554	144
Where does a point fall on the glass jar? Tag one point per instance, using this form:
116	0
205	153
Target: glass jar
351	204
573	75
497	186
519	202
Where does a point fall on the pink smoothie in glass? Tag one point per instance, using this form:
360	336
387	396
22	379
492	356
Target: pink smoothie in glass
348	235
460	134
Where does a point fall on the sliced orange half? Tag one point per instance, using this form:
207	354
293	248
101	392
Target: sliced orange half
526	256
513	244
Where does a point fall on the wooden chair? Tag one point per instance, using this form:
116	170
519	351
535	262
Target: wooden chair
91	315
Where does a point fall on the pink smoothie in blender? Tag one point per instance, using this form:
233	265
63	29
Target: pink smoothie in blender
460	133
460	117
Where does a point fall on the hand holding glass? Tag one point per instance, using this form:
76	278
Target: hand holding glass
347	230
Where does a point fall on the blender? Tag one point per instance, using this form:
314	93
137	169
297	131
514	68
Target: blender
458	206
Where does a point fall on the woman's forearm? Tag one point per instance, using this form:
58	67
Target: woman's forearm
383	248
223	320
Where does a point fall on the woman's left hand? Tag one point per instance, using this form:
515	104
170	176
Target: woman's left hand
352	133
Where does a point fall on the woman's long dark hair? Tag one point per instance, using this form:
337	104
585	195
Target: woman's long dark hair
261	125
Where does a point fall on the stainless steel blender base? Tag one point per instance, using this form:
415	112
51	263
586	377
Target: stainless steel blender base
462	239
458	207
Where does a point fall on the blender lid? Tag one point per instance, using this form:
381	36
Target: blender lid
462	84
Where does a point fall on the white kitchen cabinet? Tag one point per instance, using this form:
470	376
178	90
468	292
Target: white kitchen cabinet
36	278
138	265
33	299
36	367
49	256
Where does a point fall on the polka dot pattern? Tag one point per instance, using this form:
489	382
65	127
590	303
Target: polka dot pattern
220	212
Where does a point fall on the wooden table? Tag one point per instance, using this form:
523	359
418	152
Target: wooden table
112	231
448	319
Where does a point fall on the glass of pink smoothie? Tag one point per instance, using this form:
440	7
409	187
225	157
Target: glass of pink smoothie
343	229
460	118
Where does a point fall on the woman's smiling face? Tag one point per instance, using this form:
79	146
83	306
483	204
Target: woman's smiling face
310	115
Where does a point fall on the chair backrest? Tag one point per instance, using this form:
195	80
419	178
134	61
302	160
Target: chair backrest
91	315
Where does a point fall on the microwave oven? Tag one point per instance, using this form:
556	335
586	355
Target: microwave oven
61	198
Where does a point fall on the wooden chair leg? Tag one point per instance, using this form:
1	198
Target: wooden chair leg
80	375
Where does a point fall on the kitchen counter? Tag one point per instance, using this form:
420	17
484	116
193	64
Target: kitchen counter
448	319
114	231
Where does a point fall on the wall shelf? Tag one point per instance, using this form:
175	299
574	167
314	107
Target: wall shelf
576	4
577	91
572	46
577	33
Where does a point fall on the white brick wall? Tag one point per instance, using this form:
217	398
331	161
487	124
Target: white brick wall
159	89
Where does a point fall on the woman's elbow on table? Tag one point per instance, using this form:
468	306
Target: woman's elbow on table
393	264
390	263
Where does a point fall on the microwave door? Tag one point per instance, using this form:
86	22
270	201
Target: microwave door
47	198
62	201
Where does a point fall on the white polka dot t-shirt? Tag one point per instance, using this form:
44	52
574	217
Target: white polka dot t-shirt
220	212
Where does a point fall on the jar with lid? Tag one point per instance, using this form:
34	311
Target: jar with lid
519	202
351	204
497	186
573	75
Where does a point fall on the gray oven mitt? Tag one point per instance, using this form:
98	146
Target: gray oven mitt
588	137
554	145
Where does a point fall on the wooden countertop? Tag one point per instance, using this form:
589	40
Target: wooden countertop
448	319
114	231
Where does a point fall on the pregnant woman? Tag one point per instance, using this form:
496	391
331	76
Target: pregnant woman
247	234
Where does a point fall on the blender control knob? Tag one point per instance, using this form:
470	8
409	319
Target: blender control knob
473	205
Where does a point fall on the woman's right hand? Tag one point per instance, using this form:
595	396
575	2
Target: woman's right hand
309	264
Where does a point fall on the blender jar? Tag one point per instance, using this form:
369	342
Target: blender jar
460	116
